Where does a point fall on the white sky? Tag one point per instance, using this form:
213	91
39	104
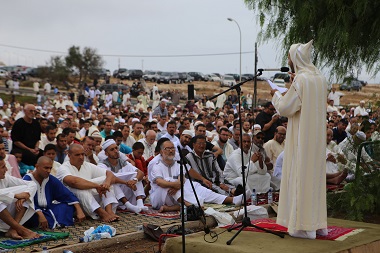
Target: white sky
139	27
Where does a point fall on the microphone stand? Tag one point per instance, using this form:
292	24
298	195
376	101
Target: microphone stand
246	222
182	163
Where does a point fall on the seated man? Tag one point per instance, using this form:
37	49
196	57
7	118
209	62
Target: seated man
256	169
16	205
50	214
165	193
335	161
132	193
50	151
206	166
90	184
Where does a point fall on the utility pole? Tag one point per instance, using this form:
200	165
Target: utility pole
255	81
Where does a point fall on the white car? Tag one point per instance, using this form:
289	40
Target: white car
227	81
279	82
3	73
213	78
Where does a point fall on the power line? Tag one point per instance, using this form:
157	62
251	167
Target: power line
130	56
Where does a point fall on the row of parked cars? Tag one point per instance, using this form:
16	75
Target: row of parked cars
352	83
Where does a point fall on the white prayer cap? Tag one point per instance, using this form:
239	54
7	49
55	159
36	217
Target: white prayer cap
188	132
360	135
135	120
362	102
256	127
256	132
108	143
221	114
96	134
121	120
197	123
50	117
5	117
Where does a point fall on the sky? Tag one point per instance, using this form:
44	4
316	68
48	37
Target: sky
141	28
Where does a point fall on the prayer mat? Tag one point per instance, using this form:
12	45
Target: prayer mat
154	213
334	233
45	236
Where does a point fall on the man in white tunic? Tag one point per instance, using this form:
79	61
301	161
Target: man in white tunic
221	100
91	185
16	205
149	143
275	146
302	206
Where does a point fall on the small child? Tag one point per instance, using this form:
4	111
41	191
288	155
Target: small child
50	151
24	169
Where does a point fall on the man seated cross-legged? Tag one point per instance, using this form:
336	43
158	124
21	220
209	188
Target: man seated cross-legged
16	205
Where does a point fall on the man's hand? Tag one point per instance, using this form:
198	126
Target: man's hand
255	157
331	158
207	183
42	221
273	91
80	216
177	186
22	195
19	205
275	118
88	152
132	184
224	187
172	191
292	76
101	190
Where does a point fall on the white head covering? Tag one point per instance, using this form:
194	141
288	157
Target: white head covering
360	135
300	54
256	127
107	143
188	132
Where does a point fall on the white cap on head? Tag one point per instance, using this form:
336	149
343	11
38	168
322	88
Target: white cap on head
362	102
121	120
108	143
360	135
188	132
135	120
255	132
256	127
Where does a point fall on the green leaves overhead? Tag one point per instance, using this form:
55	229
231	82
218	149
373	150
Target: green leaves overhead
346	33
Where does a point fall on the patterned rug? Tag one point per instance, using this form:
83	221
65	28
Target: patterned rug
154	213
128	223
334	233
45	236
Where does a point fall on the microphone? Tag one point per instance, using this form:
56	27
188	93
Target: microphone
282	69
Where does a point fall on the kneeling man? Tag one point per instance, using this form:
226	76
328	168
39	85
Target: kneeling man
51	190
16	205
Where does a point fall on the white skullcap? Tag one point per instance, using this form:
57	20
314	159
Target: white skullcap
188	132
257	132
360	135
121	120
198	123
135	120
221	114
362	102
107	143
256	126
96	134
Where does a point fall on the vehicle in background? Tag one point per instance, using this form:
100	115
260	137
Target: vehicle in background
283	76
117	72
217	74
356	85
279	82
364	83
3	73
189	78
245	77
113	87
184	77
235	76
213	78
227	81
131	74
198	76
151	76
351	83
168	77
100	73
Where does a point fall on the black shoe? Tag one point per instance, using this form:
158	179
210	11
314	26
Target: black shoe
239	190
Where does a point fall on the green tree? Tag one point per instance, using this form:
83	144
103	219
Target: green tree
346	33
84	62
58	69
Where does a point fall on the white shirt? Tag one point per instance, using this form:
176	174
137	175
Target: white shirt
87	171
148	149
336	97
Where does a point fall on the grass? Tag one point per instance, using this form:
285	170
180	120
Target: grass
18	98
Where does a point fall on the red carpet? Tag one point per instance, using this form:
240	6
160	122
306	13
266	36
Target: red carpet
335	233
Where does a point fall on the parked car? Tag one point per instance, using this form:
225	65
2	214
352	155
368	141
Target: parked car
151	75
113	87
235	76
356	85
184	77
345	86
279	82
217	74
131	74
364	83
198	76
3	73
100	73
227	80
245	77
283	76
168	77
117	72
213	78
351	83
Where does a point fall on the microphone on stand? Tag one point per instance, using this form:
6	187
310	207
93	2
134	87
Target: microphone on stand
282	69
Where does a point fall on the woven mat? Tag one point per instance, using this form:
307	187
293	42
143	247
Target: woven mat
334	233
154	213
45	236
128	223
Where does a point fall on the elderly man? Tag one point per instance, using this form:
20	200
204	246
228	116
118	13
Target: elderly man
275	146
161	110
16	205
26	134
131	193
92	185
165	193
255	164
302	207
360	110
149	143
235	140
54	203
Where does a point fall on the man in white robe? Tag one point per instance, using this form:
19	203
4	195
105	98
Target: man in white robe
16	205
221	100
149	143
92	185
255	168
302	205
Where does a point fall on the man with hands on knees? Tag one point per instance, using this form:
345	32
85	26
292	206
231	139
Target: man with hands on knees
49	213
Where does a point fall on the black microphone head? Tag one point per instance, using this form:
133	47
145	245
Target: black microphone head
260	70
284	69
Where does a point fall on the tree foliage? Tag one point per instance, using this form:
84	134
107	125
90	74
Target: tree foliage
58	69
346	32
84	62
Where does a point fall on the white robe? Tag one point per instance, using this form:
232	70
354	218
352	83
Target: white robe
302	204
256	177
220	101
89	199
9	186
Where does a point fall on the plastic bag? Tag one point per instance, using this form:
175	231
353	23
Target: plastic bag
223	219
254	212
